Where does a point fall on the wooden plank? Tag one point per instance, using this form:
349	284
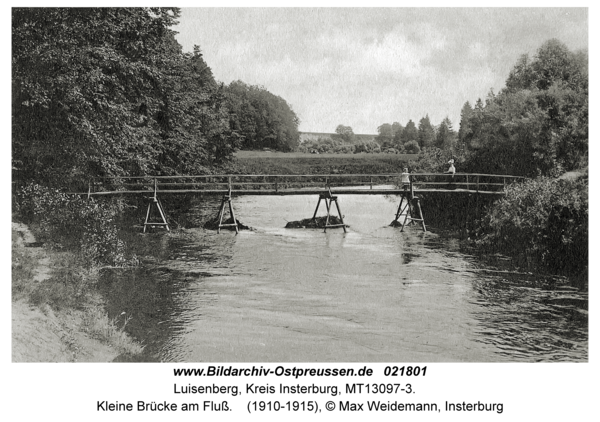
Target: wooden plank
283	192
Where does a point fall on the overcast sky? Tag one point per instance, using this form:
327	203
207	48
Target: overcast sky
362	67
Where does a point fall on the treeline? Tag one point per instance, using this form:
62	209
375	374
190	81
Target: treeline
109	92
390	139
412	139
537	126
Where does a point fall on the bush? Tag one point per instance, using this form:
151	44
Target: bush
68	221
412	147
545	220
23	269
431	160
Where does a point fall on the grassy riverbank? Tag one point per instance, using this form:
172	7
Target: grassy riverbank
57	314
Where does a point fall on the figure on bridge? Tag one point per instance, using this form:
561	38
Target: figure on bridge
451	171
405	180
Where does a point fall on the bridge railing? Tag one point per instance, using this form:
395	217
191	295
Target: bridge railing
238	182
468	181
281	182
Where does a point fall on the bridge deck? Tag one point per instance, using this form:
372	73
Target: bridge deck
284	192
288	184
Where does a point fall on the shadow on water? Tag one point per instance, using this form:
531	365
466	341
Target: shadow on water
159	297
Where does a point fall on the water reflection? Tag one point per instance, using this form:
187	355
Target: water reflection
160	297
372	294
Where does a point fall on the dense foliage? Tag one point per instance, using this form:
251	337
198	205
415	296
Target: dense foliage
261	119
538	124
432	160
108	92
68	221
545	220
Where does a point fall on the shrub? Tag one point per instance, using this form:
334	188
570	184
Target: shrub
23	269
68	221
545	220
96	323
412	147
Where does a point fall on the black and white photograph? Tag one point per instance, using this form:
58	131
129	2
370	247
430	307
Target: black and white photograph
401	187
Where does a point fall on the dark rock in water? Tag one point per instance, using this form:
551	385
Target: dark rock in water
395	223
317	223
214	225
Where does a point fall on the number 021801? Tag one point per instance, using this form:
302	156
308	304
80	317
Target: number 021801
408	371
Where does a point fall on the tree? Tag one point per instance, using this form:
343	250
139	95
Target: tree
108	92
446	136
465	114
345	133
538	124
412	147
261	119
84	82
410	133
397	129
464	130
553	63
194	119
385	135
426	133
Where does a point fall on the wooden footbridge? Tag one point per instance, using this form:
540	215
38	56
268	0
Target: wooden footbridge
328	187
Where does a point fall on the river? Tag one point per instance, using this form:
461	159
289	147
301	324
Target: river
374	294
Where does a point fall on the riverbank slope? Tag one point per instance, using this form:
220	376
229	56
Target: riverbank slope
43	333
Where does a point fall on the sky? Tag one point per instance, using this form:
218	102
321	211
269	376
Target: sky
362	67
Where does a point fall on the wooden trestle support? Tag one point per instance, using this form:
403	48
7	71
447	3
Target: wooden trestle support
156	202
227	200
412	208
329	198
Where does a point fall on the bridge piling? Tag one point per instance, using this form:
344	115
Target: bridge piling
412	208
225	185
328	198
156	202
227	200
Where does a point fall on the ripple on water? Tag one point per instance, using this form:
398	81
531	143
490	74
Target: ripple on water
372	294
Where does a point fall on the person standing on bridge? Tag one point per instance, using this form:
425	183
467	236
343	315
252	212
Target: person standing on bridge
451	171
405	179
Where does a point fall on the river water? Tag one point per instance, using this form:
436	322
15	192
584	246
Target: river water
374	294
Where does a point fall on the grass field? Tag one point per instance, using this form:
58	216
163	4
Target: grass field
262	162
